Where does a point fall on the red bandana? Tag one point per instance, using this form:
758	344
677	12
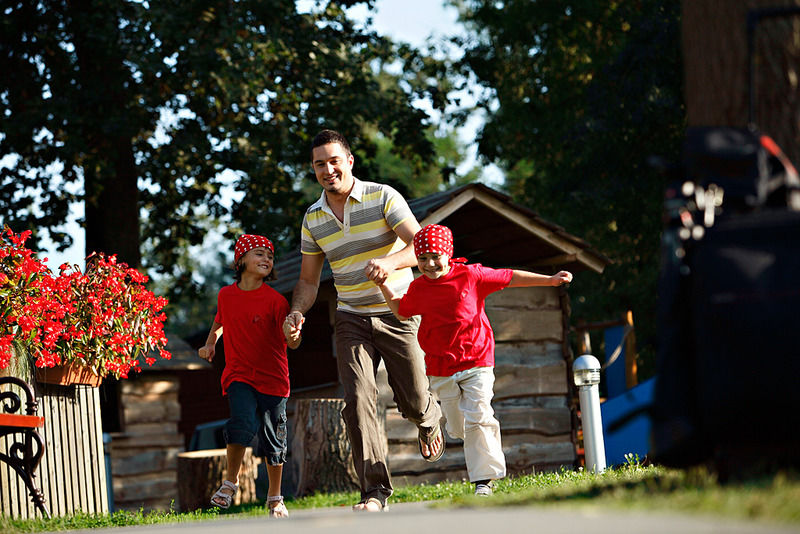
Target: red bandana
436	239
248	242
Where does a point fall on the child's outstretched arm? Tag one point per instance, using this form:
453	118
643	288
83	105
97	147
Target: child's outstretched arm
392	300
209	349
528	279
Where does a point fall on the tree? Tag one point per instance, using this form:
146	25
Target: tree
150	105
577	96
437	175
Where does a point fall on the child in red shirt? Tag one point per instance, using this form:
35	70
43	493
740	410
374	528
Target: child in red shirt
458	342
256	374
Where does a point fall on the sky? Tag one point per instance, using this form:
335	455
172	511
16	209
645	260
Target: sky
411	21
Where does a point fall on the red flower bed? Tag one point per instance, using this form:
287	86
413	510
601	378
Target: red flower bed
103	318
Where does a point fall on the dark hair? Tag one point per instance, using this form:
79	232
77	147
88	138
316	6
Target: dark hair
329	136
238	269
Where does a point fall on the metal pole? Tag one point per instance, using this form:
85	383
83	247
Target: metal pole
586	373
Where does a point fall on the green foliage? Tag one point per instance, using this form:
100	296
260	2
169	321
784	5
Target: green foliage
199	275
414	180
86	521
580	94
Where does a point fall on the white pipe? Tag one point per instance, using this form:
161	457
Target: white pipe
586	373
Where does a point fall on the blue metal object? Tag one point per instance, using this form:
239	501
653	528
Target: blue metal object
109	478
626	423
208	436
615	373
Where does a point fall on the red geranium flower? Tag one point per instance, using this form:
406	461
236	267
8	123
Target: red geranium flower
103	318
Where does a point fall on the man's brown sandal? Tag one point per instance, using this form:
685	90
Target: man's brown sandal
435	435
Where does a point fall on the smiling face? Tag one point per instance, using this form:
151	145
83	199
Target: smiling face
333	167
257	262
433	265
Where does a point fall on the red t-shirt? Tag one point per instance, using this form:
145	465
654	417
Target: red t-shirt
255	348
454	331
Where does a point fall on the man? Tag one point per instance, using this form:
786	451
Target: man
366	230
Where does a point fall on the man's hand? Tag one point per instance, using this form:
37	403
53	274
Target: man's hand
207	352
378	270
293	325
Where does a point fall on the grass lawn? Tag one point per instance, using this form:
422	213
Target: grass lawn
771	498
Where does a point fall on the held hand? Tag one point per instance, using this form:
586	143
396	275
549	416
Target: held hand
291	335
378	270
561	277
293	325
295	319
207	352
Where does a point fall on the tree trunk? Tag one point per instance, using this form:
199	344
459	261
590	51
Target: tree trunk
200	474
716	68
108	129
321	454
112	211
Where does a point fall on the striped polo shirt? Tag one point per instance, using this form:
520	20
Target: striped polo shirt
371	214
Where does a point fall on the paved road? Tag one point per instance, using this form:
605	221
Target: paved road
419	518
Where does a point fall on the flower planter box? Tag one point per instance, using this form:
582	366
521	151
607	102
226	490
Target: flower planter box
68	375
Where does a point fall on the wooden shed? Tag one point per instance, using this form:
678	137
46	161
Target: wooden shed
154	413
533	389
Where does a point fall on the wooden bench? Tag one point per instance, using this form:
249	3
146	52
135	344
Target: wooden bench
24	445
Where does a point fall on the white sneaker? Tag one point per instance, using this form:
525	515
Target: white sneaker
483	489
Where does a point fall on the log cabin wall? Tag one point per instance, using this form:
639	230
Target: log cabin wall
532	393
72	473
144	456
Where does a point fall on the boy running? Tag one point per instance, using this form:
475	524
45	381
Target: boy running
458	343
256	375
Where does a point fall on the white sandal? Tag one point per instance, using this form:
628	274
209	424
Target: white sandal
279	510
223	499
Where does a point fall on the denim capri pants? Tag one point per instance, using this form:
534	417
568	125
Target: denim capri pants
255	414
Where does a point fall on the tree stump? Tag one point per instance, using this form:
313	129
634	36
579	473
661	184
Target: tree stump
200	474
321	454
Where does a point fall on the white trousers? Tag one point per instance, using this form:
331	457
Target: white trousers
466	399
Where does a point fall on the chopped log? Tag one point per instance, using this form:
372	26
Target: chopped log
525	457
130	492
135	442
321	458
545	421
138	461
526	325
159	411
523	380
532	353
522	456
525	298
150	386
200	474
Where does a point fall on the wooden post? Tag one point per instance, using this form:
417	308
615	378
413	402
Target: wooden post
631	370
200	474
321	457
584	341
